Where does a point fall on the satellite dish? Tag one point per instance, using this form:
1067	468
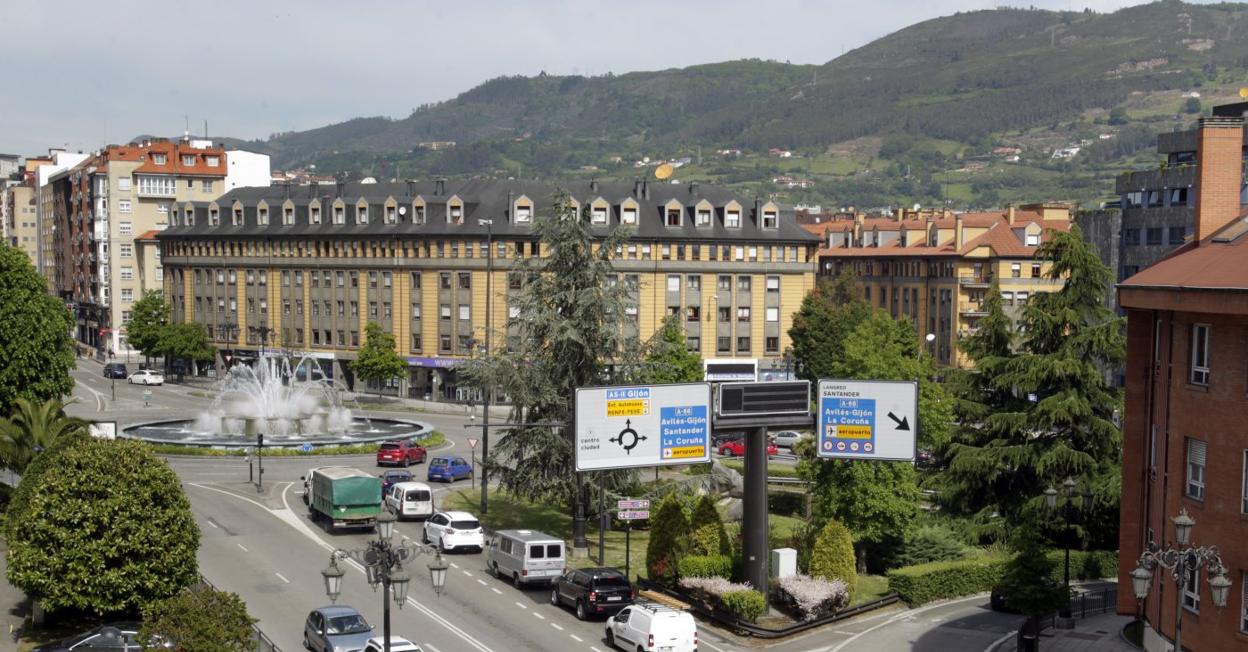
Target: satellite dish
1243	92
664	171
402	210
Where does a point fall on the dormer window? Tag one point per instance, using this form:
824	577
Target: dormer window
732	218
188	160
190	217
314	214
418	213
361	214
340	214
288	216
703	218
628	215
262	216
392	214
237	218
213	161
160	159
522	209
771	219
672	213
1033	239
598	215
214	218
454	211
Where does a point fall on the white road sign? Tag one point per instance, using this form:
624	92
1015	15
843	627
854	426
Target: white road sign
633	503
868	419
642	425
636	515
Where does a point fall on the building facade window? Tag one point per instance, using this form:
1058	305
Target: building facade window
1243	491
126	249
1191	590
1200	354
1195	487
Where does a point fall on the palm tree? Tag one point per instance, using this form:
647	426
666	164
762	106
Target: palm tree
32	428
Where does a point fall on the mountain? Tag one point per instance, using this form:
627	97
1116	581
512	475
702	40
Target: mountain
940	92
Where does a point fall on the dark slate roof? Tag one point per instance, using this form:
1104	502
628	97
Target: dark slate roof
483	199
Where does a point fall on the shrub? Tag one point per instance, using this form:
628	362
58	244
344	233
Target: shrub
705	566
712	586
787	503
707	528
939	580
833	556
200	618
931	543
668	531
814	597
747	605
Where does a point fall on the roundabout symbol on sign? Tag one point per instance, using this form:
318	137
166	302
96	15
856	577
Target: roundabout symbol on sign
630	434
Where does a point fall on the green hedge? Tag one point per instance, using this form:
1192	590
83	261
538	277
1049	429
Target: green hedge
939	580
705	566
951	579
746	605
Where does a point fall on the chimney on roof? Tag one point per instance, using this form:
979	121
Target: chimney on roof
439	187
900	214
338	188
593	185
1219	147
411	188
1009	215
645	189
693	188
637	188
859	220
287	188
958	240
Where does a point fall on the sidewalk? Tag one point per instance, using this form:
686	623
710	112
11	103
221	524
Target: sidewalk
1096	634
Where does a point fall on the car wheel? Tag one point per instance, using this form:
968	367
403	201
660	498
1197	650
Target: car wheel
441	545
306	644
554	596
424	536
515	581
610	638
581	614
406	462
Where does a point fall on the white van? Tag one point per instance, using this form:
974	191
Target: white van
410	500
524	556
652	626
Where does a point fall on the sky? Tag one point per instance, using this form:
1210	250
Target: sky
84	74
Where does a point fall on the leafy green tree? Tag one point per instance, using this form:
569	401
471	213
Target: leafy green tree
822	324
669	528
833	556
200	618
668	358
706	517
1118	116
186	342
1028	584
570	323
1047	412
36	353
149	316
100	525
1192	105
378	362
33	428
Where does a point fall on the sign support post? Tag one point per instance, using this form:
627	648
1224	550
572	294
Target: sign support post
754	518
603	520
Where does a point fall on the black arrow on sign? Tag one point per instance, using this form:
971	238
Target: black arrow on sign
902	423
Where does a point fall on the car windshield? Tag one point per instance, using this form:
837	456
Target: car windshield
353	624
466	524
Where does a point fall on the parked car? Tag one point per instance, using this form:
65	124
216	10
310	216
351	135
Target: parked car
592	591
786	438
524	556
115	370
736	448
650	626
393	477
401	452
924	459
146	377
113	637
722	438
336	628
397	644
448	469
449	531
410	500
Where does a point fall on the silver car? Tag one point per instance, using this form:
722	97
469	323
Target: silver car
336	628
786	438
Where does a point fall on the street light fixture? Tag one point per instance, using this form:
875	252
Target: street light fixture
1069	491
1181	559
383	564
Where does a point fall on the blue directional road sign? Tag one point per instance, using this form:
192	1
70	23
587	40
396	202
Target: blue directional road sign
868	419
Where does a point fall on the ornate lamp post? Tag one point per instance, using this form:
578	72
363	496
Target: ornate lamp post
1181	559
1069	490
383	564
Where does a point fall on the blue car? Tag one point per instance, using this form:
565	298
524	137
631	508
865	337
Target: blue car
449	469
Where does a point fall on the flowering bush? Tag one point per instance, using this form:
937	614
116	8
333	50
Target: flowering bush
814	596
713	586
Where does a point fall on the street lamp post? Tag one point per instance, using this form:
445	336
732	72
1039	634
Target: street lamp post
1181	559
489	333
383	564
1069	489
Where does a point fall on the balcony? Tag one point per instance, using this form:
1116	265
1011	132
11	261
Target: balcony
972	310
975	280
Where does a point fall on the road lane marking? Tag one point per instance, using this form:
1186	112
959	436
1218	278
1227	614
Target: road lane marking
594	649
467	573
521	605
495	590
576	638
556	626
481	582
539	616
702	641
243	547
997	643
454	565
279	576
430	648
214	525
232	495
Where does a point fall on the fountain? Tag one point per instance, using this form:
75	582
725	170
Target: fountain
291	405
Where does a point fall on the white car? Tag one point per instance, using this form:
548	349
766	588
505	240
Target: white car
454	531
146	377
650	626
397	644
786	438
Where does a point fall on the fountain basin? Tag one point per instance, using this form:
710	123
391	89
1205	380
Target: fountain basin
182	432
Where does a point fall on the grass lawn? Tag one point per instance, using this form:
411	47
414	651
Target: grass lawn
870	587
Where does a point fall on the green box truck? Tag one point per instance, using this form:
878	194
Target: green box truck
342	496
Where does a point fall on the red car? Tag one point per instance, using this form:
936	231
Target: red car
736	448
400	453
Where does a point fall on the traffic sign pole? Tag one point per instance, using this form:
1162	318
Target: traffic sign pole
754	518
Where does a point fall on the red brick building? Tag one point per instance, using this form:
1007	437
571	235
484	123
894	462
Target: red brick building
1185	437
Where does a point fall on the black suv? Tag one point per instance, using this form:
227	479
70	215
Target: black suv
115	370
592	591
